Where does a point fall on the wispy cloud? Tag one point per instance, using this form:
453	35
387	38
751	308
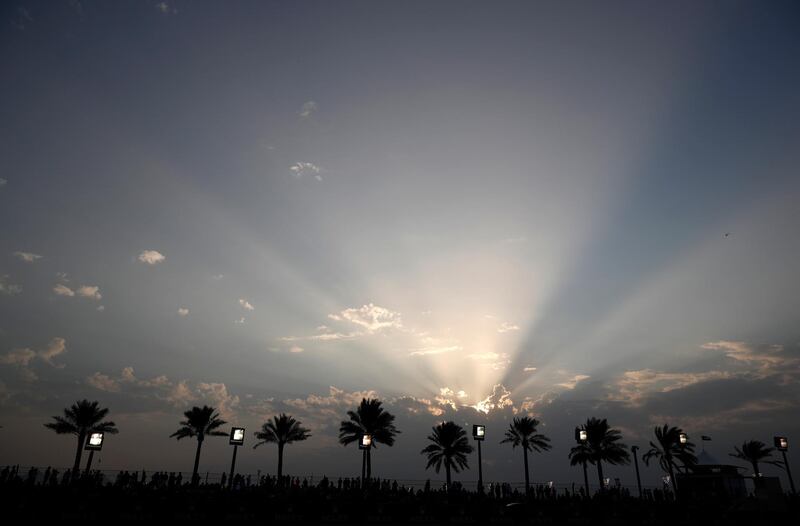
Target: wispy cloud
371	317
246	305
63	290
425	351
182	311
89	291
301	169
8	288
507	327
166	9
27	257
151	257
23	358
574	381
308	108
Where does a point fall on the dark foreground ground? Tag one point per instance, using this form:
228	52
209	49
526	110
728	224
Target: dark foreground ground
90	502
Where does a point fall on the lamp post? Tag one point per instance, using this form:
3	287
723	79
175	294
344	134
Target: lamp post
581	437
782	445
364	445
634	450
236	440
479	433
94	442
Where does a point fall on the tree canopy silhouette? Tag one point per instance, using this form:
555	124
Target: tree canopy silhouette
281	430
669	451
449	447
604	445
756	452
81	419
200	422
522	432
369	418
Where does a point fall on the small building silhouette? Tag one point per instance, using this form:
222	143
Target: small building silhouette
712	480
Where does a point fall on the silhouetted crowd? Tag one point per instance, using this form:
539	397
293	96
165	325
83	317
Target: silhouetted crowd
153	498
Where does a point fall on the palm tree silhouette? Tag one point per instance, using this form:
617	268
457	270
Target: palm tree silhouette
522	432
450	447
282	430
604	446
582	454
80	419
669	450
200	422
756	452
368	419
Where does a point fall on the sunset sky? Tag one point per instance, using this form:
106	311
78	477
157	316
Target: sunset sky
471	210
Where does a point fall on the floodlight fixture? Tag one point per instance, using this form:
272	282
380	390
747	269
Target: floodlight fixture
478	432
781	443
581	435
94	442
365	442
684	438
237	436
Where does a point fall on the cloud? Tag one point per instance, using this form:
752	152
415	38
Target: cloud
296	349
246	304
101	308
371	317
166	9
572	382
7	287
63	290
84	291
103	382
3	182
300	169
507	327
151	257
27	257
761	360
89	291
218	396
19	357
499	398
308	108
529	369
240	321
493	360
324	411
425	351
183	311
23	358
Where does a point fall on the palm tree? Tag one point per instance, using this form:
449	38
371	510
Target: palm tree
80	419
450	447
200	422
669	450
522	432
282	430
755	452
603	443
368	419
581	454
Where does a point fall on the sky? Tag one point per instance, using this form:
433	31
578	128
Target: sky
470	210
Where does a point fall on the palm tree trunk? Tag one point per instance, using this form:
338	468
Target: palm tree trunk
586	478
280	463
600	474
447	471
76	467
196	461
527	477
89	461
369	463
755	468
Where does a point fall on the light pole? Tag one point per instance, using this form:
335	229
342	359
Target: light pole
782	445
479	433
94	442
581	437
364	445
634	450
236	440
